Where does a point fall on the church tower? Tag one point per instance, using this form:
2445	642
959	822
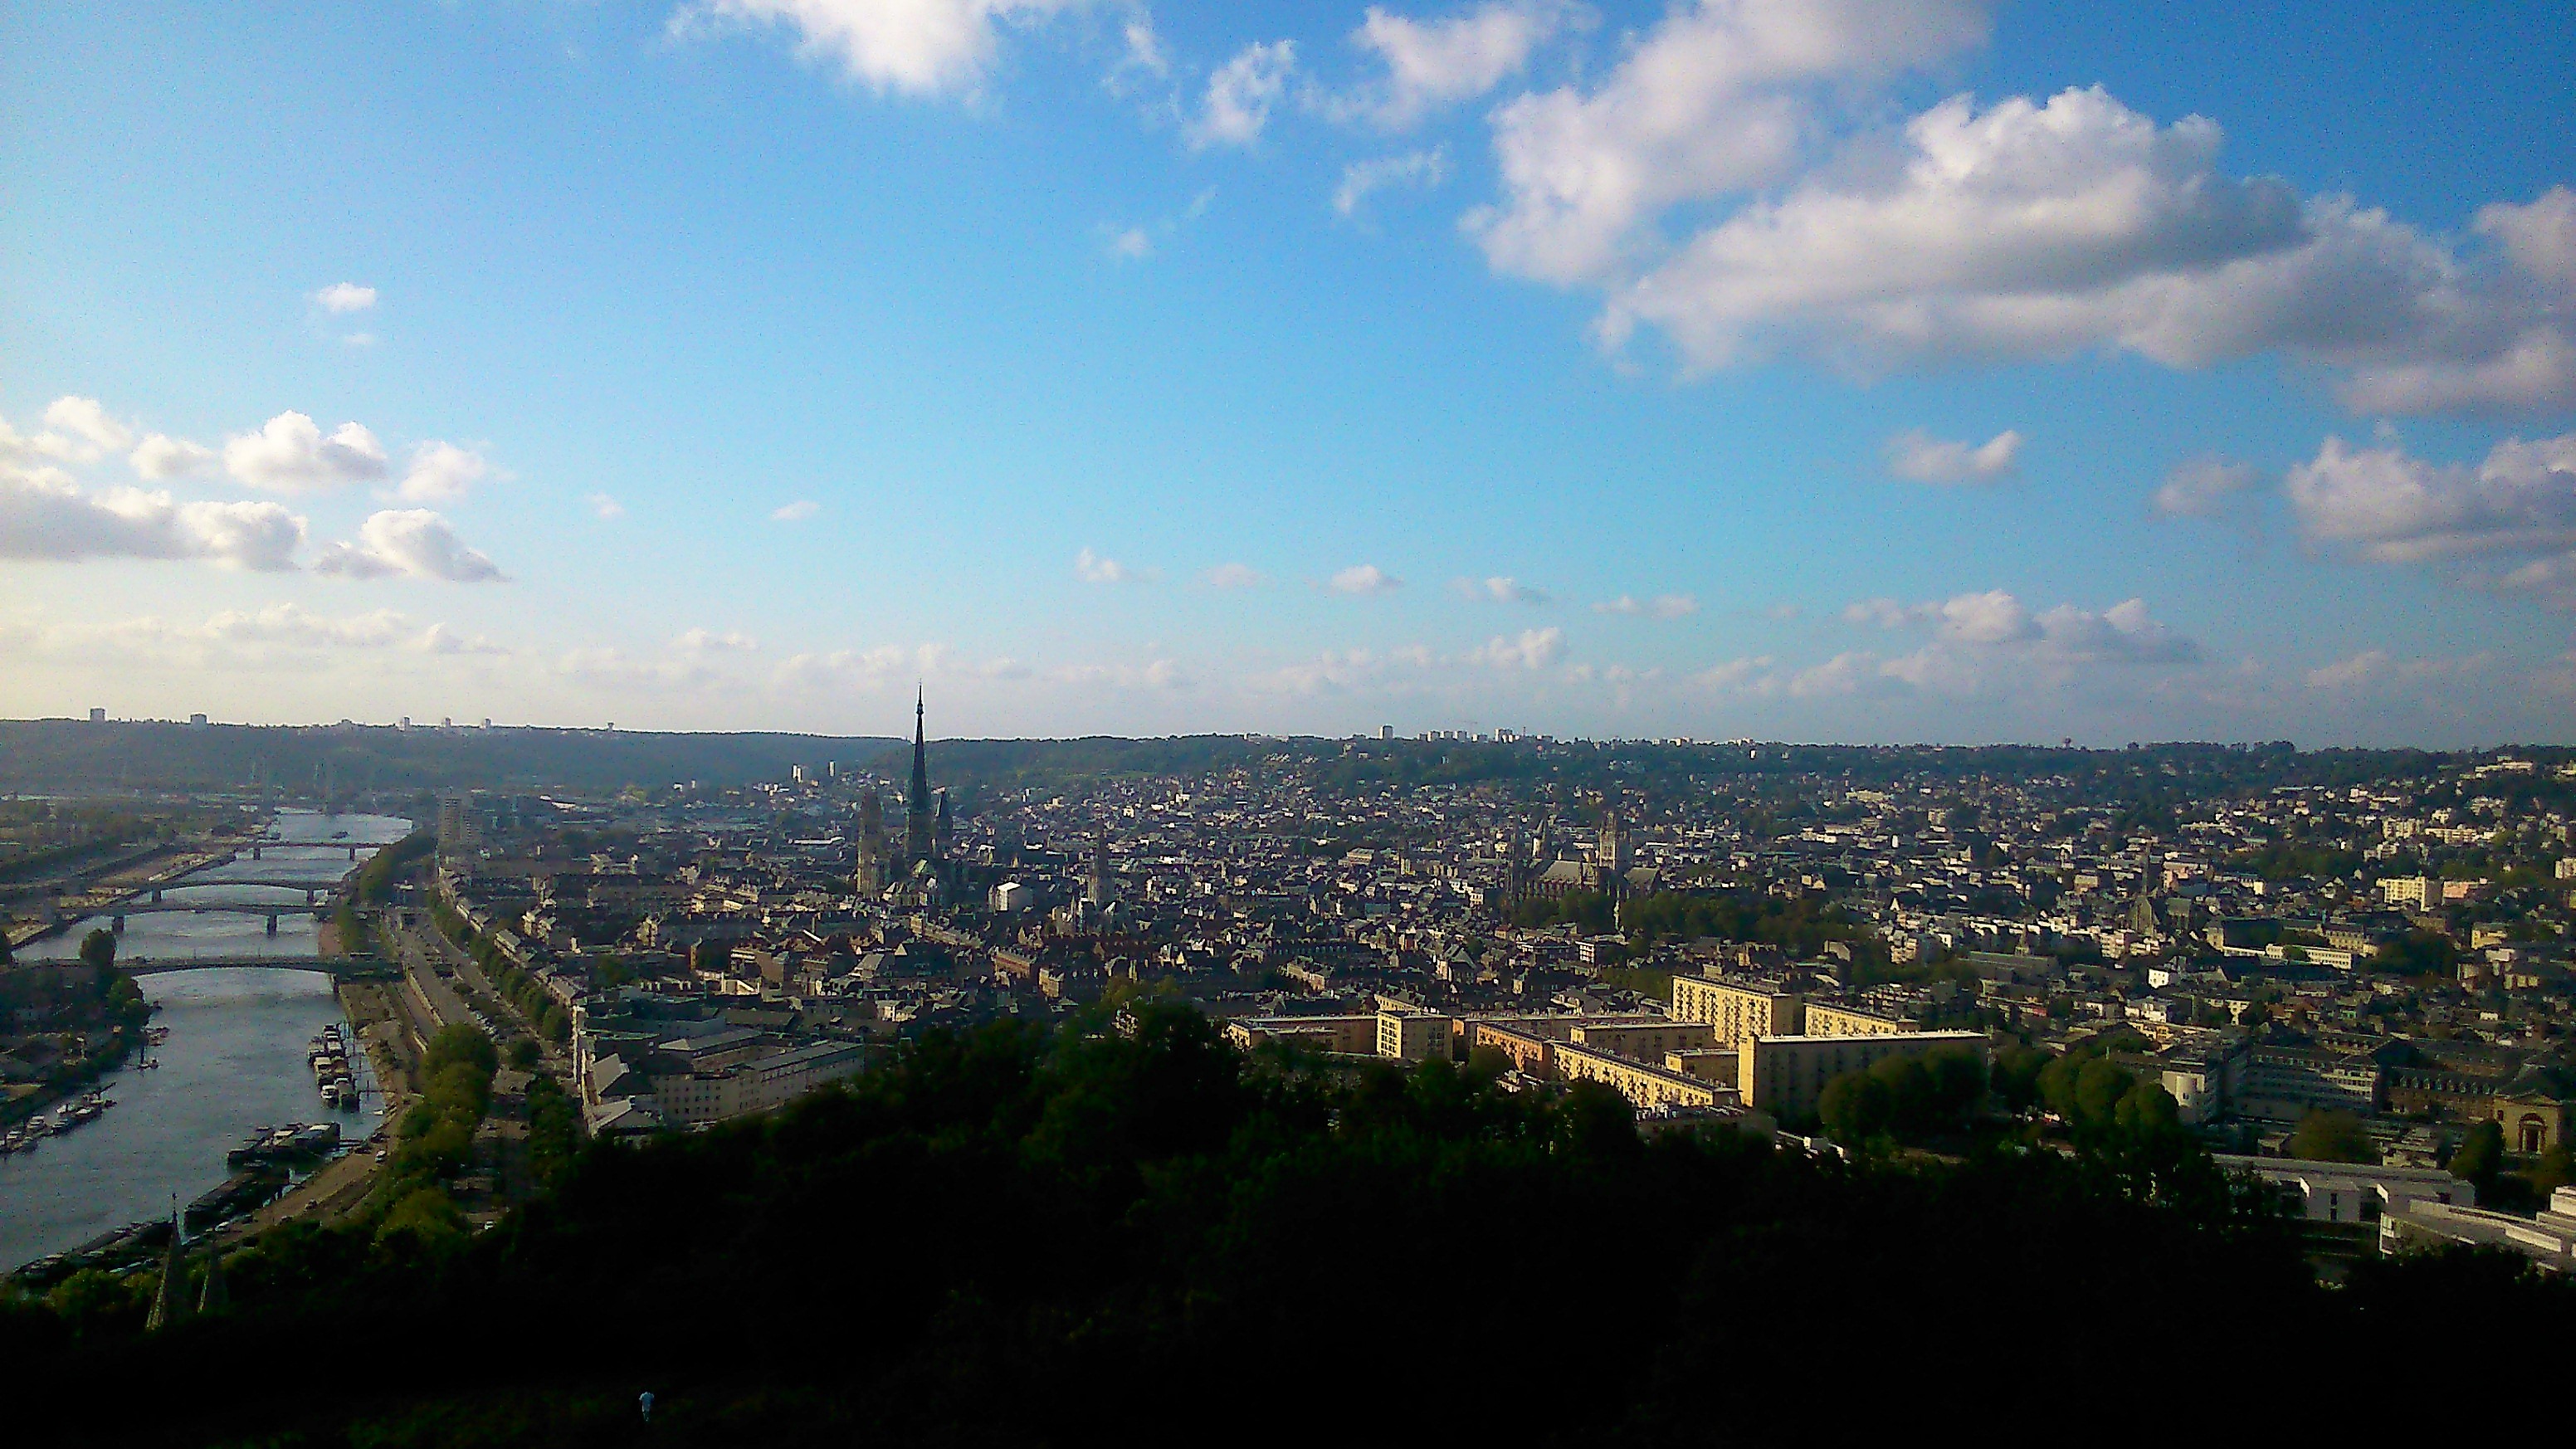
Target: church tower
918	842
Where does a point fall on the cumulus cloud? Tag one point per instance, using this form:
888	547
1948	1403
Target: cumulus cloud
2024	229
294	626
408	543
2372	668
1708	103
2398	508
1130	244
1092	568
1234	576
289	454
1919	457
442	473
44	515
1530	649
709	641
1153	674
1363	579
1431	65
796	512
80	428
1661	606
1241	93
1497	590
2066	634
345	297
604	508
1414	168
918	47
2539	237
2205	487
160	456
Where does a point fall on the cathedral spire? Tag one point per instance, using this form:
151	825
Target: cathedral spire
918	842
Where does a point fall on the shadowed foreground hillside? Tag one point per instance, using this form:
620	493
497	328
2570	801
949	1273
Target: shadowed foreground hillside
1014	1238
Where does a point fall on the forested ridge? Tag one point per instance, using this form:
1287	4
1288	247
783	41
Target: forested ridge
1031	1238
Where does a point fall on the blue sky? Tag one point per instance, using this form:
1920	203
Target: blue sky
1912	370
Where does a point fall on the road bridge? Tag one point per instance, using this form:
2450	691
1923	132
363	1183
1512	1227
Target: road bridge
343	968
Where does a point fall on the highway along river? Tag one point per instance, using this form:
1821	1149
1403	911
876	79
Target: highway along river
234	1058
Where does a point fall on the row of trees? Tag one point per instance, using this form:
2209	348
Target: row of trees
545	1015
434	1141
1906	1099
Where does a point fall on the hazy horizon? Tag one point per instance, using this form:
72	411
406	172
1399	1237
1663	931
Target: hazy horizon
1916	371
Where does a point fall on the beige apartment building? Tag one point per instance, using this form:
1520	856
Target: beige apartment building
1643	1085
1823	1020
1737	1012
1786	1075
1645	1040
1413	1036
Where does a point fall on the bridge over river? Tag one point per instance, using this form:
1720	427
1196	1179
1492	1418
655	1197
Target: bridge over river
342	967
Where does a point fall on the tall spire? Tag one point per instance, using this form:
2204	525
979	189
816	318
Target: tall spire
917	840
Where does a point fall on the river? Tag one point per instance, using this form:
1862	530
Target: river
234	1060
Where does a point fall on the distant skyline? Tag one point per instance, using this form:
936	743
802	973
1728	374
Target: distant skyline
1909	370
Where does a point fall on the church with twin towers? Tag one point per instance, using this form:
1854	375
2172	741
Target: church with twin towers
925	822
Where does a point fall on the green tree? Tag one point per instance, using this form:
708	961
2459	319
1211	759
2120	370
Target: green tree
2148	1110
2479	1157
1856	1107
2099	1086
2325	1136
2016	1075
98	948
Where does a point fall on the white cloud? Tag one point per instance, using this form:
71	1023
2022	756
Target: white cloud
160	456
344	297
1969	625
1234	576
442	473
1884	612
1363	579
2399	508
845	668
440	639
292	625
1133	244
1661	606
796	512
2205	488
1435	64
1750	674
1531	649
410	543
2377	667
1414	168
1917	456
604	508
1709	103
290	455
1241	93
708	641
2028	230
921	47
1091	568
1144	48
1159	674
1498	590
44	515
92	432
2539	237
